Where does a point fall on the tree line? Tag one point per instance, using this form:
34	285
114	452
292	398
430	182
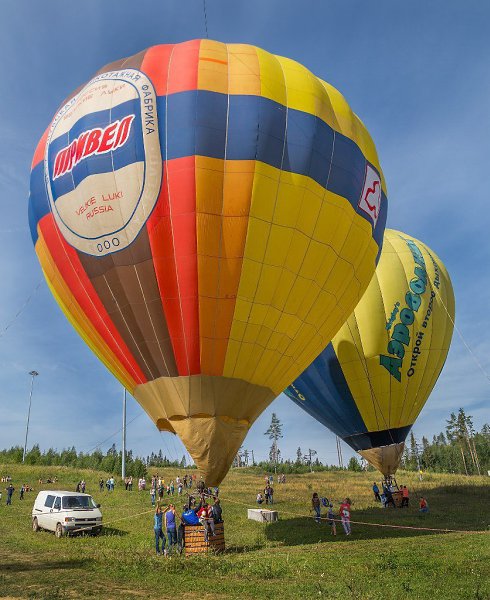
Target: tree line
460	449
110	462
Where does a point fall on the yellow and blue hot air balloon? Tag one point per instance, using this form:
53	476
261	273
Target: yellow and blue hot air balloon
369	385
206	215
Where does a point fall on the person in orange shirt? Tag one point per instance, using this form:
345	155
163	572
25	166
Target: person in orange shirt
405	496
423	506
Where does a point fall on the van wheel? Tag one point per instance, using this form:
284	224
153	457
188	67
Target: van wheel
59	530
35	524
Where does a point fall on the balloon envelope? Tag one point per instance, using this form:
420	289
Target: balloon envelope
369	385
206	215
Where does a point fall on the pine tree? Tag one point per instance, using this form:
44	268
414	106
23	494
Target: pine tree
414	453
299	456
275	433
441	439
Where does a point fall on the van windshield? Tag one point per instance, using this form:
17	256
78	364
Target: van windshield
75	502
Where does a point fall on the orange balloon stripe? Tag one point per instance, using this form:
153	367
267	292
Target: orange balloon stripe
183	70
155	65
71	271
172	225
172	234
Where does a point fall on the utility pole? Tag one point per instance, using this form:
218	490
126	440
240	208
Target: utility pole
339	453
123	461
253	459
32	374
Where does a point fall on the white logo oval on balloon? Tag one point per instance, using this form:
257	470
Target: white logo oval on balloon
103	163
370	200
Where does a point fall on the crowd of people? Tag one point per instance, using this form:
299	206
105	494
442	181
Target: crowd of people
386	497
343	514
10	489
169	526
159	488
267	495
205	514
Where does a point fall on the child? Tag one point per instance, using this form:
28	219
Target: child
315	504
331	519
260	499
345	515
423	506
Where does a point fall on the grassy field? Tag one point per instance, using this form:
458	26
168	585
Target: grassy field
291	559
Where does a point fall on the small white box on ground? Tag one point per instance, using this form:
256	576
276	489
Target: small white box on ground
263	516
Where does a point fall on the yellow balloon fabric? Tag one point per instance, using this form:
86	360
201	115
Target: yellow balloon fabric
372	381
207	215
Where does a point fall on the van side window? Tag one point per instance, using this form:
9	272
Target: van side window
49	501
57	503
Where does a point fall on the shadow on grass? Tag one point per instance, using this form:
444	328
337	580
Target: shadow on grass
21	566
112	531
461	508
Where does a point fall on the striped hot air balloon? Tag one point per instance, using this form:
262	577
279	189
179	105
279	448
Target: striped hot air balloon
369	385
206	215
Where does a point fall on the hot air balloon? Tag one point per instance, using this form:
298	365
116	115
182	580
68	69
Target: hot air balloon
369	385
206	215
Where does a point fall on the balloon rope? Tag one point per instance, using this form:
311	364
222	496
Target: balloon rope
473	355
112	435
21	309
205	18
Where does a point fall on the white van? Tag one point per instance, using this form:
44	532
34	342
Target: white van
66	512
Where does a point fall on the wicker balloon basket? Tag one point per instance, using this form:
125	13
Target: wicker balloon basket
194	539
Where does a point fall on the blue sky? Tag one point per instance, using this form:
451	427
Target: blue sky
417	74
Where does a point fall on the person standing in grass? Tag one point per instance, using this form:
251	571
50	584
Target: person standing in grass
331	519
345	515
405	496
266	493
388	496
171	526
315	505
157	528
10	490
376	492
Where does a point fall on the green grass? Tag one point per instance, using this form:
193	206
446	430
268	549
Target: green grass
294	558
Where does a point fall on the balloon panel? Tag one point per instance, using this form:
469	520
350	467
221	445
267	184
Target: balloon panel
206	216
371	382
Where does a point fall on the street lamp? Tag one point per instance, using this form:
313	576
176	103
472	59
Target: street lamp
32	374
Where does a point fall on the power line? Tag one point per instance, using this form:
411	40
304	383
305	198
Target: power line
112	435
21	309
